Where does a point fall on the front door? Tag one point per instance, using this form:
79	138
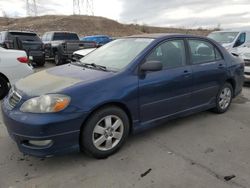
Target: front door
166	92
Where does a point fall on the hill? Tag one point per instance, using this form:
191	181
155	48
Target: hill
85	25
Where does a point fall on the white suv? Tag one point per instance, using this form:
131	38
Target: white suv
13	66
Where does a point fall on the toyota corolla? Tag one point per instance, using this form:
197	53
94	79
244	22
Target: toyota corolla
128	85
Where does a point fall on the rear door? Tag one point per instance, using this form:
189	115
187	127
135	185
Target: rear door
166	92
209	71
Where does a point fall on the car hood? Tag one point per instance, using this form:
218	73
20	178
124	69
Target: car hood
59	78
226	45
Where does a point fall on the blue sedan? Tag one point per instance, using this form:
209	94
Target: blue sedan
126	86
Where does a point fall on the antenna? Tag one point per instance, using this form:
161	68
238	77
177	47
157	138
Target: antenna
83	7
31	8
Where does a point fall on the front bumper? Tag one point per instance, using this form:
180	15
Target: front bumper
62	129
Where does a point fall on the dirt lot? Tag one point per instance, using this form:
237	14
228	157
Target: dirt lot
193	152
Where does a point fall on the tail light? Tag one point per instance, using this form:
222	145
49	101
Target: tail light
23	59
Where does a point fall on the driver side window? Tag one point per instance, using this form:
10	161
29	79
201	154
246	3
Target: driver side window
171	54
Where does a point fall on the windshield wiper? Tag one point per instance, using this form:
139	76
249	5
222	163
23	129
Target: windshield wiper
96	66
89	65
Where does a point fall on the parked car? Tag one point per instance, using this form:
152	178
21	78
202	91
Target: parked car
231	39
27	41
244	53
13	66
61	45
79	54
99	39
125	86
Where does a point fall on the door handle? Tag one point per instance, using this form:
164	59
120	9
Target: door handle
186	73
221	66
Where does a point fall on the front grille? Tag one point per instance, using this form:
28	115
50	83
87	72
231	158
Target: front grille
14	98
247	73
247	63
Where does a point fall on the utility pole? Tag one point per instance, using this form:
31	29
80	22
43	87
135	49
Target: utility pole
31	8
83	7
76	7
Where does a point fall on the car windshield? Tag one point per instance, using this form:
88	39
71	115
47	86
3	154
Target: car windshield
223	37
117	54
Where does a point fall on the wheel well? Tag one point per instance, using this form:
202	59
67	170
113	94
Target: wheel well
4	77
232	82
116	104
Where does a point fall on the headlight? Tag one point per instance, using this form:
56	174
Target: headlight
46	104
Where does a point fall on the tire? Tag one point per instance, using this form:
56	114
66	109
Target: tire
58	59
98	138
226	94
41	63
4	88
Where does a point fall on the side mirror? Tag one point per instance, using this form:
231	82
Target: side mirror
151	66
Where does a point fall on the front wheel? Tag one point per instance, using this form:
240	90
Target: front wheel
105	132
41	62
224	98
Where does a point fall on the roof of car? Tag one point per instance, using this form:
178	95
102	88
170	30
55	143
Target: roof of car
230	31
61	32
162	35
18	31
95	36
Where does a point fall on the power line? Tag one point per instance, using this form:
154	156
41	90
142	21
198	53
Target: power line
83	7
31	8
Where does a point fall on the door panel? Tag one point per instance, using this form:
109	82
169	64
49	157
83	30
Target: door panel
164	93
208	78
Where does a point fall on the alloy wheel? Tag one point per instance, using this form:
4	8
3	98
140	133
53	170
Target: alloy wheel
108	133
225	98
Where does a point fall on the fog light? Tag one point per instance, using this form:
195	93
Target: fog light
40	143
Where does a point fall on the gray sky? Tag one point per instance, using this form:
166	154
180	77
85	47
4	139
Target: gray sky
173	13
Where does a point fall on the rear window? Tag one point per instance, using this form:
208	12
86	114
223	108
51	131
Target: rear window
24	36
65	36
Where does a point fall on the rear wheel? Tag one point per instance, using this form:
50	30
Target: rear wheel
58	59
4	88
224	98
105	132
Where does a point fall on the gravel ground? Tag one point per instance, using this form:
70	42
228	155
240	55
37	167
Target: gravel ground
200	151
